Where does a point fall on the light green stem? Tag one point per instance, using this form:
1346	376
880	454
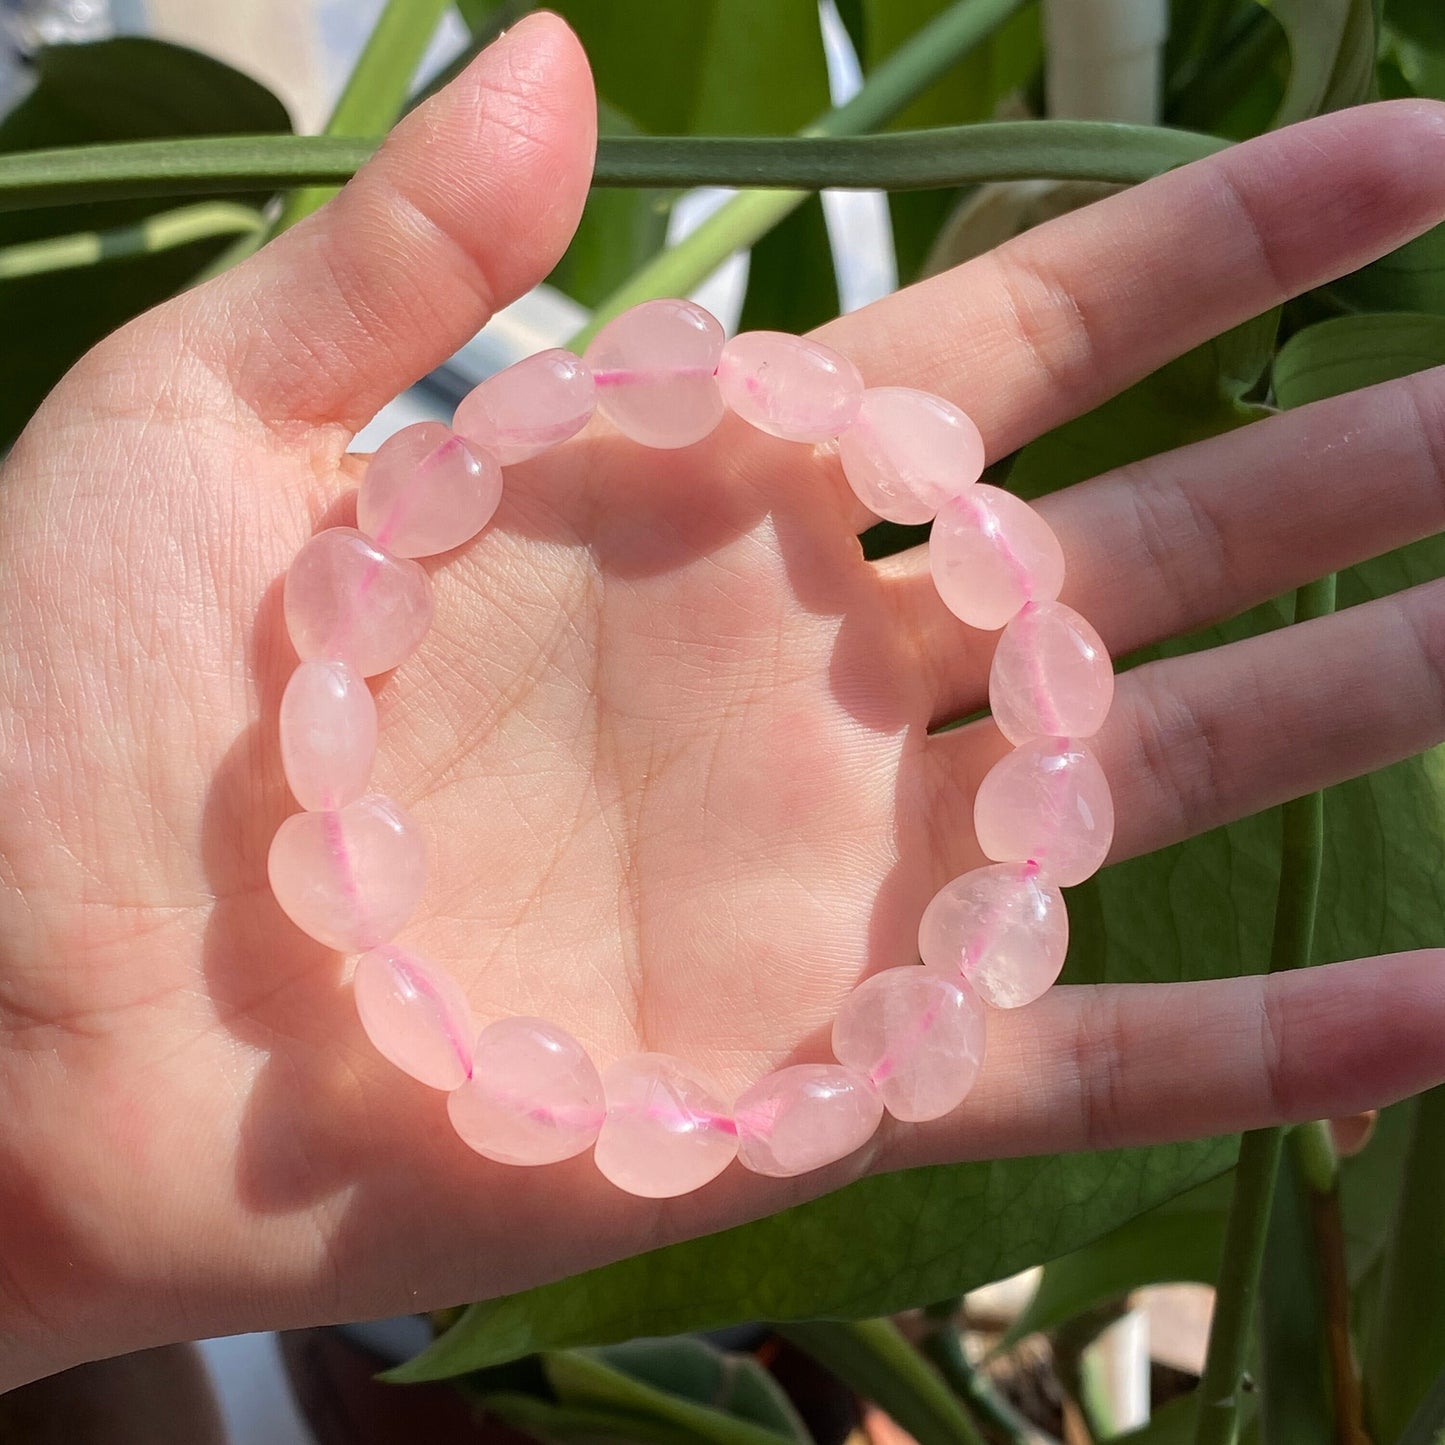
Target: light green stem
161	232
1247	1225
873	1358
377	88
922	59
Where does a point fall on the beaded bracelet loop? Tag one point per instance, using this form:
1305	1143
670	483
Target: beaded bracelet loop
349	869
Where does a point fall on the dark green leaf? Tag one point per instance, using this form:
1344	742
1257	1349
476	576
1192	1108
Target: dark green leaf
1422	21
873	1358
590	1425
1332	46
1179	1241
1407	1343
791	283
586	1379
878	1246
618	232
1409	279
112	90
968	92
717	67
1238	88
1427	1424
696	1370
1349	352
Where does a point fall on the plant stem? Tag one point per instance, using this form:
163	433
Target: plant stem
161	232
922	59
902	160
942	1344
1247	1224
873	1358
376	90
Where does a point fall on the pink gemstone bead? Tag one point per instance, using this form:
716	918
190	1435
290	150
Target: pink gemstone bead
347	598
789	386
1051	676
654	367
666	1132
534	1096
917	1035
1003	928
803	1117
908	452
528	408
990	553
1048	801
415	1014
328	734
351	878
426	491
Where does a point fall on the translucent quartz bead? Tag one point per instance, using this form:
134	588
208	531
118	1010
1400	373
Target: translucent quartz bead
1048	801
990	553
654	367
789	386
351	878
534	1096
1051	676
536	404
1003	928
666	1132
917	1035
328	734
347	598
415	1014
908	452
803	1117
426	490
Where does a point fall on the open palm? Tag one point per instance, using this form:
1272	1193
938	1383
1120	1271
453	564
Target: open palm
669	738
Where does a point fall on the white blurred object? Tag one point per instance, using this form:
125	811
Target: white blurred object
1103	59
1120	1360
252	1390
29	24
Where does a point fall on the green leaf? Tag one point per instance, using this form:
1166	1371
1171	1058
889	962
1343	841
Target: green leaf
696	1370
1178	1241
113	90
1422	21
1349	352
618	232
722	67
1332	46
1237	89
1427	1424
876	1247
1407	1343
874	1360
1409	279
968	92
791	281
588	1380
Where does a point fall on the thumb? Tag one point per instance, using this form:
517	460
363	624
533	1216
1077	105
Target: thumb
469	202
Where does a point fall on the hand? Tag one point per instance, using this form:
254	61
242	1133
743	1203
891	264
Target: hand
668	738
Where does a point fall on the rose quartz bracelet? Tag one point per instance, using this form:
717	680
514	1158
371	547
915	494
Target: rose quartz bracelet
349	870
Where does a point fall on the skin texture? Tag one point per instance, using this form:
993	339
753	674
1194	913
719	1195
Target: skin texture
668	739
